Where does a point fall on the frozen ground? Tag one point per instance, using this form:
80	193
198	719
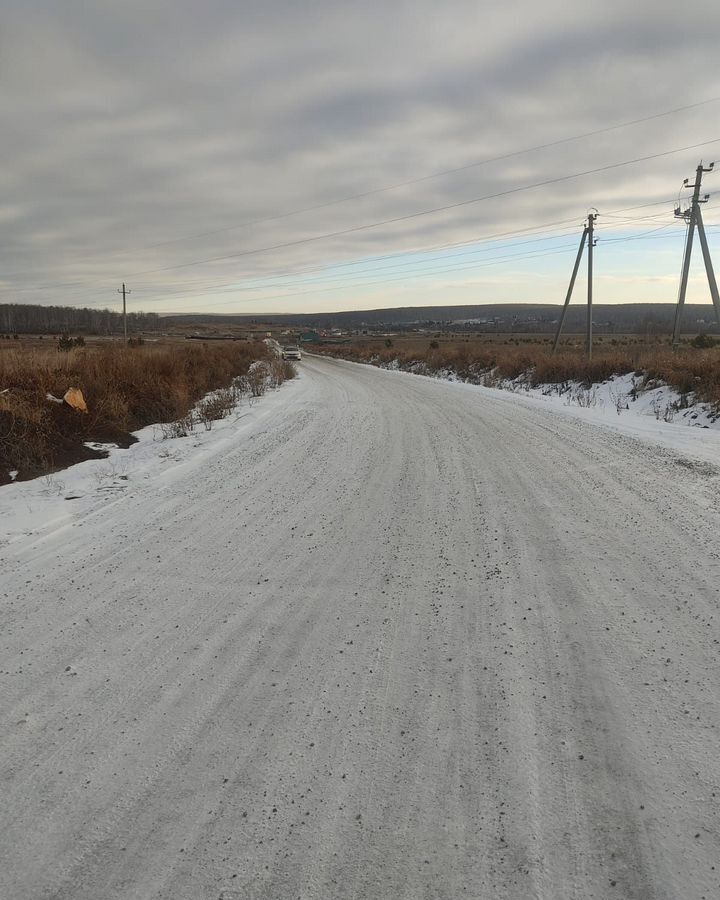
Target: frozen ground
382	637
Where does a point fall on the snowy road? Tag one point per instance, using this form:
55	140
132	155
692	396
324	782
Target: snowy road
401	639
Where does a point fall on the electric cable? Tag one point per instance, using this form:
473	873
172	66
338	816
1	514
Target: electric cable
426	212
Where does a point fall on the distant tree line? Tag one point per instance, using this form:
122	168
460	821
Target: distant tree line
620	318
22	318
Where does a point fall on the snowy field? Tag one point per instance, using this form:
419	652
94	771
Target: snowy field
375	636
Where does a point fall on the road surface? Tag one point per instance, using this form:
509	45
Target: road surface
403	639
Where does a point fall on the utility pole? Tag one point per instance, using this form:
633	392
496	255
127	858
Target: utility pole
591	244
693	217
587	235
123	292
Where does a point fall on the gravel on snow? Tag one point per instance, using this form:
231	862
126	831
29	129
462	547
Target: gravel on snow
396	640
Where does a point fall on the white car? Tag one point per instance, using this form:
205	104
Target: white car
291	353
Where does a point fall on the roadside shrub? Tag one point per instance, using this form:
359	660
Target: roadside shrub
255	380
691	371
125	389
66	343
23	426
703	342
216	406
178	429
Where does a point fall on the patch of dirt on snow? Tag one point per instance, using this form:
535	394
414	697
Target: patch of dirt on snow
704	469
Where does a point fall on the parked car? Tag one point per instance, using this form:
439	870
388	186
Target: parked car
291	353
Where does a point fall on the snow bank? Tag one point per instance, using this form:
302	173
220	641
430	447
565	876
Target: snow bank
650	411
41	505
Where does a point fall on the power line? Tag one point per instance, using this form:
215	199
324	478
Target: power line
327	271
103	286
86	285
440	174
98	286
423	178
371	272
492	261
236	288
406	252
399	265
426	212
638	237
419	180
475	239
420	272
492	237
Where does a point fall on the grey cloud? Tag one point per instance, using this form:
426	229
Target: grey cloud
129	126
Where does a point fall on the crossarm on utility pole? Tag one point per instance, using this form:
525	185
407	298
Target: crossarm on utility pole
570	288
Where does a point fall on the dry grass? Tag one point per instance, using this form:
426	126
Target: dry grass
687	370
125	389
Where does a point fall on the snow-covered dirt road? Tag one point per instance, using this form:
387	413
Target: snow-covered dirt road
399	639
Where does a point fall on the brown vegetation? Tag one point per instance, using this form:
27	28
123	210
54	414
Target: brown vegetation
125	388
688	370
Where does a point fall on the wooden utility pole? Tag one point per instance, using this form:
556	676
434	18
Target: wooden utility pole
587	235
693	217
123	292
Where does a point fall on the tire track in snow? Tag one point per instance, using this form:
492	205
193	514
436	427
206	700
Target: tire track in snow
405	612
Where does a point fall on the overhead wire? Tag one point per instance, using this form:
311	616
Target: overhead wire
490	238
362	260
320	279
85	286
433	211
492	261
238	288
89	286
331	271
392	279
332	275
443	173
409	182
438	174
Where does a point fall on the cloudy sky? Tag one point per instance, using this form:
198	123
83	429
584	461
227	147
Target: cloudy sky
252	157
